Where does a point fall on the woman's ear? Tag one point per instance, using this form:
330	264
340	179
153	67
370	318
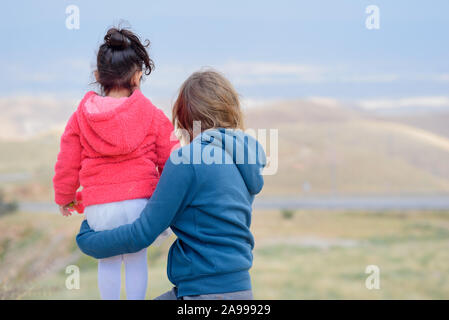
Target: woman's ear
135	81
96	75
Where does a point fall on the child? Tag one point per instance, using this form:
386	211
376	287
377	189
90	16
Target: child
115	146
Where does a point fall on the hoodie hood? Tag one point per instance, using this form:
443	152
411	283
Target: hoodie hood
244	150
114	126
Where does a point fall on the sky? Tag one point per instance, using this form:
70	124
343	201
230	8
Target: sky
269	49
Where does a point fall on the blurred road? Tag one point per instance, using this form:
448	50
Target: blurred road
370	203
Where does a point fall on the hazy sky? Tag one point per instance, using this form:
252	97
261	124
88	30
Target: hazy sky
269	49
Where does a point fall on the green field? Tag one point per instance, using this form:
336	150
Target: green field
313	254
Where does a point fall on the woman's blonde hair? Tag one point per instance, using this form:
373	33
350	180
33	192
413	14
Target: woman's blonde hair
209	97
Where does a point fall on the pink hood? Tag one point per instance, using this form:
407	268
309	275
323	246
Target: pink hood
115	126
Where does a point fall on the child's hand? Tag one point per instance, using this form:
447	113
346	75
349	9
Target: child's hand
75	205
65	210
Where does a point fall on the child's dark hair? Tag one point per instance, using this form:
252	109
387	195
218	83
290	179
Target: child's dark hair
119	57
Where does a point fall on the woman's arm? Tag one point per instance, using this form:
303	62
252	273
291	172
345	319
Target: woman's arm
172	195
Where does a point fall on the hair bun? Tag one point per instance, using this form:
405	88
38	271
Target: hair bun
116	40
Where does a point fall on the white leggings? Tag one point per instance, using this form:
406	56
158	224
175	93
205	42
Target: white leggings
136	272
109	216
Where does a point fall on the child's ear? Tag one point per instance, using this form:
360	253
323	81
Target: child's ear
135	81
96	75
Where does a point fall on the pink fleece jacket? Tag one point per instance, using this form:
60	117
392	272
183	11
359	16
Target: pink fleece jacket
114	148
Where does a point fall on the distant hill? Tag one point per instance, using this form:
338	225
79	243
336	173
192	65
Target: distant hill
24	117
324	148
336	150
436	122
26	167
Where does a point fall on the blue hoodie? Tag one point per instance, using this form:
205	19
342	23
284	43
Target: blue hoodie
205	195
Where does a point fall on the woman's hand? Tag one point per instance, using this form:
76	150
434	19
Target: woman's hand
83	239
108	243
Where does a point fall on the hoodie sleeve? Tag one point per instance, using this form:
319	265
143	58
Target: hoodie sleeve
166	140
172	195
66	179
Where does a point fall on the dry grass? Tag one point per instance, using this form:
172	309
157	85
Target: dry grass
33	246
314	254
323	255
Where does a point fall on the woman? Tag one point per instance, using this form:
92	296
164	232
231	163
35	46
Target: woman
205	195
